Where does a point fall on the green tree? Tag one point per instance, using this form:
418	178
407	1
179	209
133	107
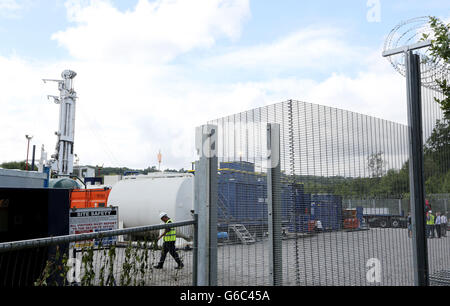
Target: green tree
20	165
376	164
440	53
437	149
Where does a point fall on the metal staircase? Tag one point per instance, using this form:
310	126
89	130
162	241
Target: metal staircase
242	233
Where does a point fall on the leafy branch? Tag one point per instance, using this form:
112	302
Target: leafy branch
440	51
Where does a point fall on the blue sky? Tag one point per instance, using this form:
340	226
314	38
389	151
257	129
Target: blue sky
27	30
150	71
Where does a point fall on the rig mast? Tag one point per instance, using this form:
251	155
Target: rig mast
62	159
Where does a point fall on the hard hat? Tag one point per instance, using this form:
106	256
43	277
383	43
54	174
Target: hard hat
162	214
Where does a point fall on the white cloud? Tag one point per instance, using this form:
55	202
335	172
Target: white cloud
9	8
9	5
13	8
133	101
155	31
318	48
123	119
25	109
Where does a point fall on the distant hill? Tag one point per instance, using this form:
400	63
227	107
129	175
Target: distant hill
99	171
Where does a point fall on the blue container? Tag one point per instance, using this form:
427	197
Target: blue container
294	201
242	195
327	209
300	225
359	214
222	235
238	165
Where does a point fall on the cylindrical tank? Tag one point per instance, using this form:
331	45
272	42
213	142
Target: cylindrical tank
65	183
141	198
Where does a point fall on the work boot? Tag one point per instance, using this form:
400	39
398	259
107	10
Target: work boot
159	266
180	266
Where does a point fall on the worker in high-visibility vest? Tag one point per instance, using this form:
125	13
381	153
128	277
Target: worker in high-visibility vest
430	224
170	236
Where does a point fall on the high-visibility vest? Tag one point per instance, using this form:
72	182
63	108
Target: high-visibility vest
431	220
170	235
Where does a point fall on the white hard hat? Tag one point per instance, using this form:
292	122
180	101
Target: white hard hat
162	214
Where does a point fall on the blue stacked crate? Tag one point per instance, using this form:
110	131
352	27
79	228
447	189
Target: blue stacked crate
261	193
303	200
291	194
301	224
359	214
297	216
287	202
226	195
243	192
328	209
238	165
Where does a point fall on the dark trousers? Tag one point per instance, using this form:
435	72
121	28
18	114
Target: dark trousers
430	231
169	247
444	230
438	230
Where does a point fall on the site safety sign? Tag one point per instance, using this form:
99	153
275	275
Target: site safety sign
92	220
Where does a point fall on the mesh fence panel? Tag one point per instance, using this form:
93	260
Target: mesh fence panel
437	184
345	196
98	262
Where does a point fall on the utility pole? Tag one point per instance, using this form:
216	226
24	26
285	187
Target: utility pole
28	149
32	157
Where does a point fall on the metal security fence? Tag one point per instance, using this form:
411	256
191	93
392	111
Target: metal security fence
344	190
125	257
436	179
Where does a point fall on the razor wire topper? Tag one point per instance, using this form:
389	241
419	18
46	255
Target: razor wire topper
409	33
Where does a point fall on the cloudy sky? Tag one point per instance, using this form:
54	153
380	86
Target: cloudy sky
150	71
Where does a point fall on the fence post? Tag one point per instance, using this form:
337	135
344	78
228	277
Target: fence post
416	169
206	204
274	203
195	251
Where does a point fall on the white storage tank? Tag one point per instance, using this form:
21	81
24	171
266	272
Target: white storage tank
142	198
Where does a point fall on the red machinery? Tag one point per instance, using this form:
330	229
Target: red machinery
350	219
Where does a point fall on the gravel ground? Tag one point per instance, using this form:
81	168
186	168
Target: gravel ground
325	259
333	259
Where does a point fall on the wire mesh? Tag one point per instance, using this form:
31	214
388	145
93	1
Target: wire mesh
108	260
345	197
437	183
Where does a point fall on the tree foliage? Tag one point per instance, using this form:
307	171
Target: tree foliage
440	52
20	165
376	164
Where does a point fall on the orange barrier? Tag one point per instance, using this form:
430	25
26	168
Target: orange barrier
311	226
89	198
351	223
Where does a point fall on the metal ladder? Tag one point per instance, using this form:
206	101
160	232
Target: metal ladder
242	233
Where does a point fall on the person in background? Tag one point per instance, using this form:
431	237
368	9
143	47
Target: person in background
427	205
318	227
444	224
170	236
430	224
437	224
409	223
